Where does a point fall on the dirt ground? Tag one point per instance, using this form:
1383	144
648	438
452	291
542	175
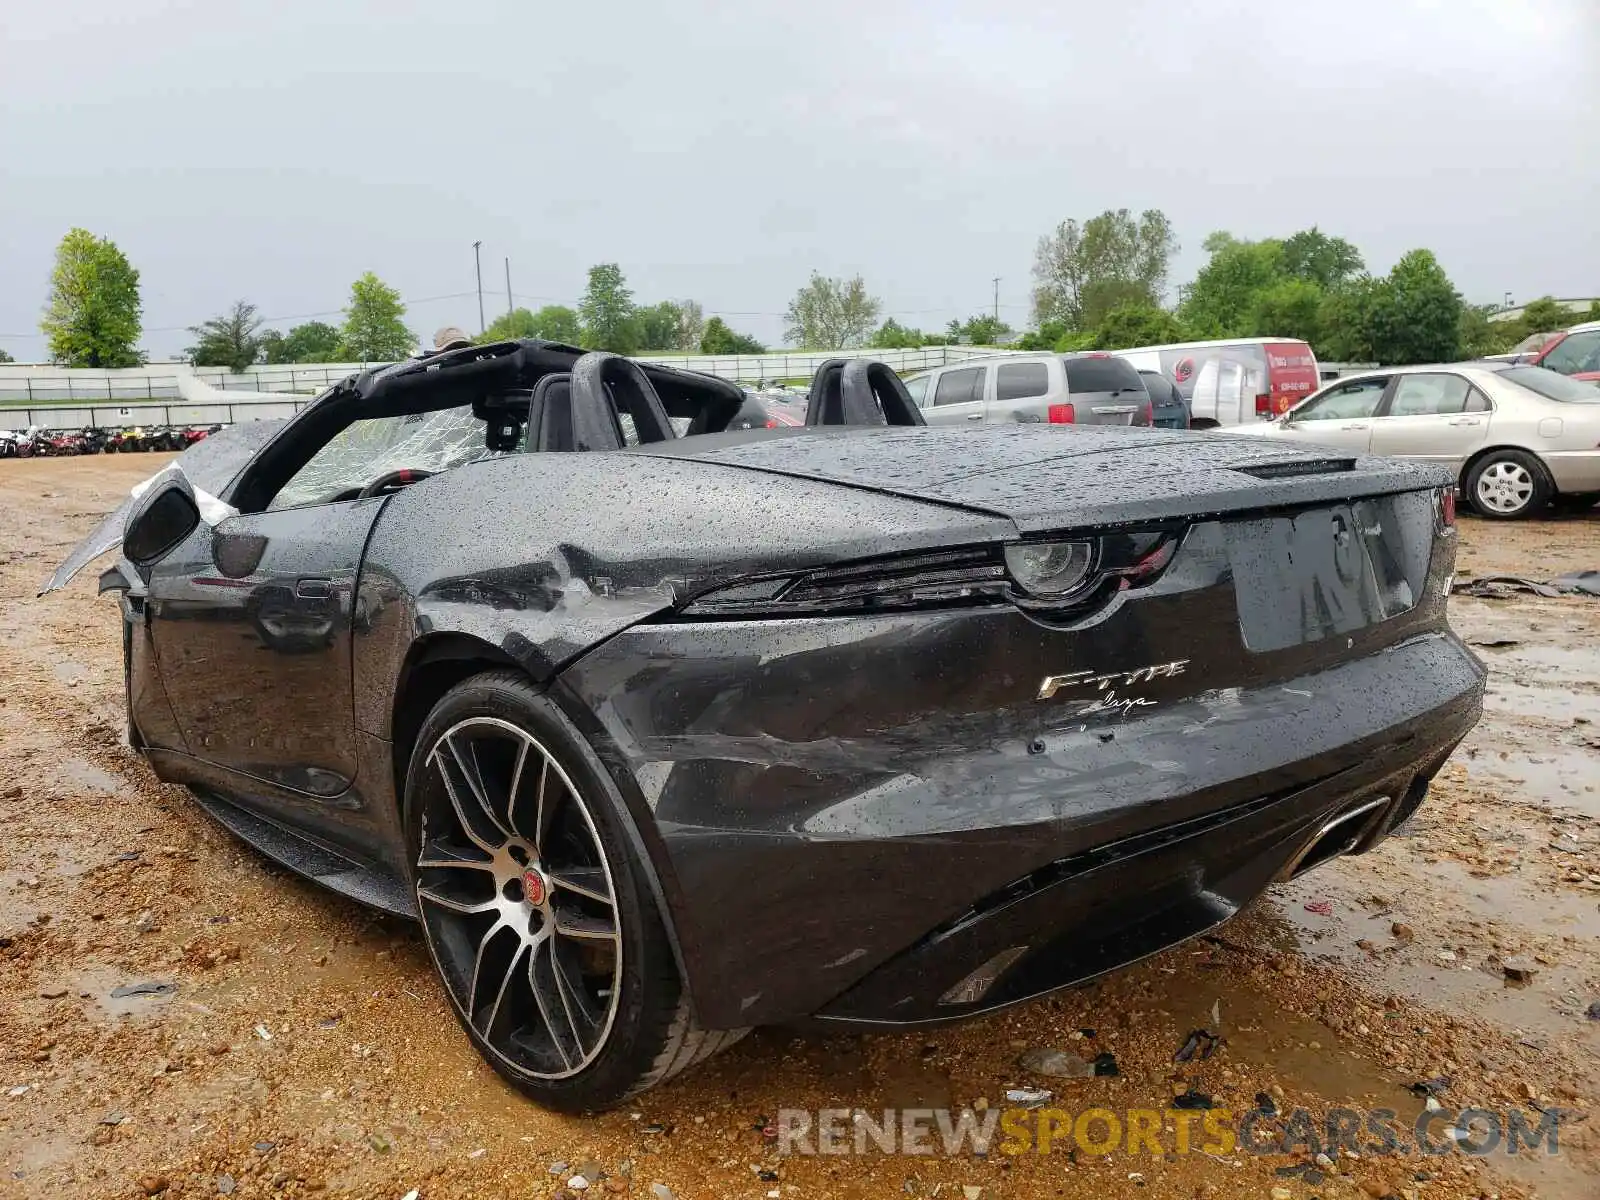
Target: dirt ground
306	1049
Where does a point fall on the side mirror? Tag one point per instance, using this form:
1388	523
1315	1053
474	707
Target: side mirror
165	515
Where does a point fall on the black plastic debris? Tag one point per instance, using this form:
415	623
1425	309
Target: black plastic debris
151	988
1593	1011
1503	587
1106	1064
1265	1105
1088	1033
1192	1099
1424	1088
1201	1044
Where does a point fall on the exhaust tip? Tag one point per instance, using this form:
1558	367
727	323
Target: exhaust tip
1337	836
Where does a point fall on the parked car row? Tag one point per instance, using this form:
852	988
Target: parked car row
91	440
1199	385
1517	437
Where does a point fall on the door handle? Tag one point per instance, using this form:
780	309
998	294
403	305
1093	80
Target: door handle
974	416
313	589
1353	427
1467	421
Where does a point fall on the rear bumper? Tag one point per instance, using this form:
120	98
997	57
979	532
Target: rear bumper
1574	470
832	839
1113	905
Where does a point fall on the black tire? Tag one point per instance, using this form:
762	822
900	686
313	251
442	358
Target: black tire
581	911
1508	485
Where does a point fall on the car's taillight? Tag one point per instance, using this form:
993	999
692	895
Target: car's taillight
1447	507
771	424
1264	405
1062	414
1149	412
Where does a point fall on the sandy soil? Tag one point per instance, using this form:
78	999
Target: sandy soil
304	1047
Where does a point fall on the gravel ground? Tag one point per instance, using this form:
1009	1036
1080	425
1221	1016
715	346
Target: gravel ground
302	1047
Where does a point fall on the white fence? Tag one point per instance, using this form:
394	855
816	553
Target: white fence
59	398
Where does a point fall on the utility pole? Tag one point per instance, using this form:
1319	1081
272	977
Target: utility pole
477	262
508	287
997	299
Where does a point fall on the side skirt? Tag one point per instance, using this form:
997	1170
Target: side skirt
358	881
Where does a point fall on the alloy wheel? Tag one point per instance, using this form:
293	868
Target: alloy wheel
515	892
1504	487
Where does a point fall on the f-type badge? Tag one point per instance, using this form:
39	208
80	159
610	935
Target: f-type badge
1051	684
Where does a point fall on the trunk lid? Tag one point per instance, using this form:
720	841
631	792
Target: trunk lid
1046	478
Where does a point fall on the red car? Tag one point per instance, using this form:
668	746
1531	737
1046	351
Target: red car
1575	352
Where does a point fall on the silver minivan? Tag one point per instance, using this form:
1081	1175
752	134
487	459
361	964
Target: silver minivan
1061	389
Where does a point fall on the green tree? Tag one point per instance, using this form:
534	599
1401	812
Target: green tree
1044	337
1344	320
232	340
311	342
92	318
1328	262
1220	301
1288	308
1416	316
892	335
981	330
1075	266
1544	315
606	311
719	339
374	323
5	357
1074	340
552	323
831	314
1480	336
659	326
1137	325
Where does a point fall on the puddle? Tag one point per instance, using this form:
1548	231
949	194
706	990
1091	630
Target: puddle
1467	987
1552	664
1535	700
100	981
86	774
1559	776
1305	1055
70	673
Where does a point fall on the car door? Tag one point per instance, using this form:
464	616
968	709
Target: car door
957	397
1431	417
1021	391
1340	416
251	626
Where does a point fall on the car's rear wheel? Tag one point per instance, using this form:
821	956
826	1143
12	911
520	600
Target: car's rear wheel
535	905
1508	484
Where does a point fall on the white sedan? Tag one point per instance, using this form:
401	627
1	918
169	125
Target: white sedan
1517	437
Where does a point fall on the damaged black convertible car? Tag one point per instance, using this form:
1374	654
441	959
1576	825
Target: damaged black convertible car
664	730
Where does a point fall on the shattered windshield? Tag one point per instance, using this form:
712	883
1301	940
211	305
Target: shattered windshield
370	449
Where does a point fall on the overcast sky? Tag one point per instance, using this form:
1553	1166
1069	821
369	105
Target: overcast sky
721	151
